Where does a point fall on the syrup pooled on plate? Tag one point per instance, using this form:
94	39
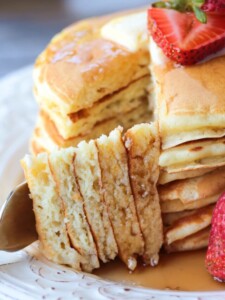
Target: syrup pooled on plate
178	271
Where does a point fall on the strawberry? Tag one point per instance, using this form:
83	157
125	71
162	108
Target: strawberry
183	38
214	5
215	257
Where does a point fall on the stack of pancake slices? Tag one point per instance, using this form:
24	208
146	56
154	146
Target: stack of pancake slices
124	192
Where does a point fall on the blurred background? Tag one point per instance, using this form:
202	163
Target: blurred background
26	26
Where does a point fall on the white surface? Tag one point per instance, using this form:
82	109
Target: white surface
26	274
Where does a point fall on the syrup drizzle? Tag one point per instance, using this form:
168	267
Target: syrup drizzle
178	271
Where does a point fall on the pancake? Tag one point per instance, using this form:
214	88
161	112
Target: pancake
79	67
46	137
82	122
78	226
193	189
190	99
195	241
119	198
48	210
142	144
178	206
166	177
188	225
89	179
209	153
170	218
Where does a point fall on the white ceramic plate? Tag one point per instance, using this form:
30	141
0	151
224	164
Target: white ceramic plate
26	274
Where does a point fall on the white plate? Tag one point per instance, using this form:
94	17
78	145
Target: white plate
26	274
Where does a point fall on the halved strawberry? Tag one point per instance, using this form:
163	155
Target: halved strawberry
214	5
183	38
215	257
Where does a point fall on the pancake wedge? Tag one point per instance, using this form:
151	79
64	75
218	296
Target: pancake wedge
49	212
79	230
90	185
119	198
142	144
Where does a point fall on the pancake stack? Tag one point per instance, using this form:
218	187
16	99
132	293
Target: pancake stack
88	202
98	74
191	114
87	85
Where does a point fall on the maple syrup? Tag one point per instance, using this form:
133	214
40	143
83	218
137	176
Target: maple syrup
178	271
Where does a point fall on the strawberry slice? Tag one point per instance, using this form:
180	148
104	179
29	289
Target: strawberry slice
215	257
214	5
183	38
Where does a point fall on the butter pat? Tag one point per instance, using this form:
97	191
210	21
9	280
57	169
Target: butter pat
129	31
156	54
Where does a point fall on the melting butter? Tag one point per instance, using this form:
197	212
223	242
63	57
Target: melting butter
129	31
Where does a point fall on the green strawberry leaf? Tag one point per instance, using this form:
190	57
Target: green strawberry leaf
185	6
197	3
160	4
200	15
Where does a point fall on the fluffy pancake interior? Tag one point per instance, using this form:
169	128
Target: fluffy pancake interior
142	144
49	212
45	136
61	162
83	121
89	179
119	198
